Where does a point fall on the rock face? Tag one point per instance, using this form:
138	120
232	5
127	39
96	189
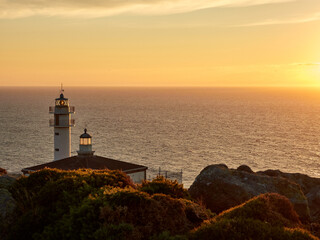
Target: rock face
220	188
309	186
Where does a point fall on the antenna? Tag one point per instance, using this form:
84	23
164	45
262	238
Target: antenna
61	89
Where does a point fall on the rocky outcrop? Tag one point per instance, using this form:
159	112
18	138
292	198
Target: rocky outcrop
221	188
310	187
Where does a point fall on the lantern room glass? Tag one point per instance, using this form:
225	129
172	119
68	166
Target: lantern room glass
62	102
85	141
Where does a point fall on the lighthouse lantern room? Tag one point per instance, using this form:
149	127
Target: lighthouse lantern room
85	147
62	123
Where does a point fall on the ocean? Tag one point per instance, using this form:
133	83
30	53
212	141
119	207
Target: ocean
170	128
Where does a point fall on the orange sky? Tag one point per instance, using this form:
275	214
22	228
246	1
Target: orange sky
160	43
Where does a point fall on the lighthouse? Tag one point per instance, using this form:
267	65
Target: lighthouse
62	123
85	146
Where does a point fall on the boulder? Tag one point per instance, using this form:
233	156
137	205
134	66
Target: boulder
221	188
245	168
310	187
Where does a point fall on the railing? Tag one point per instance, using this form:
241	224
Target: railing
172	175
52	109
72	109
71	123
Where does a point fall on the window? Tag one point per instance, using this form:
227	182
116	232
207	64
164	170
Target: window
57	120
85	141
57	149
56	134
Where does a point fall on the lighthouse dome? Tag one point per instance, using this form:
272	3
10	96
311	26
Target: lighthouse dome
85	146
85	134
62	101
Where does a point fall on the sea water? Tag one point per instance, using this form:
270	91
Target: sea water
172	128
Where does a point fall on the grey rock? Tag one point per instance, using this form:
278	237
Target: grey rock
310	187
230	187
244	168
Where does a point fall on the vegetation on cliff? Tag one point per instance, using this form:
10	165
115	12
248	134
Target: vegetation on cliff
268	216
87	204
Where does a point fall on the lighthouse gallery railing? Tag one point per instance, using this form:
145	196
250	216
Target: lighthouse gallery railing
72	109
69	123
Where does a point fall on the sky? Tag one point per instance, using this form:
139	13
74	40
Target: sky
217	43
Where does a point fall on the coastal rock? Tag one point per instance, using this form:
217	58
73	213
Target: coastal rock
220	188
310	187
245	168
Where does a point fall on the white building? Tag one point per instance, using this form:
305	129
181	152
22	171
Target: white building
62	123
87	159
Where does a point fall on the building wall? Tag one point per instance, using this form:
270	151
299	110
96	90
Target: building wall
138	177
62	143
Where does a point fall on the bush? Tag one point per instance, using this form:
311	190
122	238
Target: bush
270	207
241	228
165	186
87	204
116	213
94	205
264	217
46	195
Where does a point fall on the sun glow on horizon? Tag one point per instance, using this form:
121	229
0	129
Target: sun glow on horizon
222	46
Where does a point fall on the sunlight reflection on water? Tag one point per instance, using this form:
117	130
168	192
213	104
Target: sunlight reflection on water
170	128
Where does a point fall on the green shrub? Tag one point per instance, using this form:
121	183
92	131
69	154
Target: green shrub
94	205
242	228
264	217
46	195
114	232
86	204
167	236
127	213
165	186
270	207
151	214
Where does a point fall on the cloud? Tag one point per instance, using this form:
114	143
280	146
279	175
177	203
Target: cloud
307	64
100	8
304	19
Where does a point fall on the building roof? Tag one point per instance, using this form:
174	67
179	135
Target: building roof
85	134
61	97
91	161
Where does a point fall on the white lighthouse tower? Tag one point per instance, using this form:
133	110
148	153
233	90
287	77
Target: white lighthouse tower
62	123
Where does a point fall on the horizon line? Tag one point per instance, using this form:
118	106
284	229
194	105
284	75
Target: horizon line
168	86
